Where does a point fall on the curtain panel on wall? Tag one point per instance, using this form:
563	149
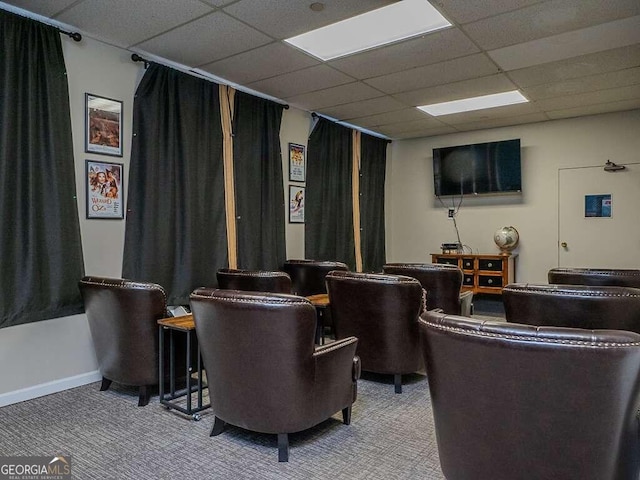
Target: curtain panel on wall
175	231
259	192
328	209
40	246
373	163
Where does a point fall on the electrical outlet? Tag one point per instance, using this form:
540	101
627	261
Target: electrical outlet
451	213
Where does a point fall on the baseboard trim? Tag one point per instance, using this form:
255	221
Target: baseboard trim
48	388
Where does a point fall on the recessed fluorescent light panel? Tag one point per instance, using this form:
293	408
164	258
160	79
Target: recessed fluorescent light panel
392	23
475	103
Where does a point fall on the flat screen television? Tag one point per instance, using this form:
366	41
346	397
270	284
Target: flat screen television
481	168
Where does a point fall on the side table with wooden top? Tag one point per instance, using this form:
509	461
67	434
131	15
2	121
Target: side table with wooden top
183	324
321	302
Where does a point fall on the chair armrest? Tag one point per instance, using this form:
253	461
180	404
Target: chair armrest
466	299
336	360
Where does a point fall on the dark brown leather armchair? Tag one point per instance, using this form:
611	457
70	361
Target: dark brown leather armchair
382	312
308	276
263	371
254	280
123	318
595	277
513	401
443	284
578	306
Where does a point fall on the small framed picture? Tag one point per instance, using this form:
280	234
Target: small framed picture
296	204
297	163
104	187
103	125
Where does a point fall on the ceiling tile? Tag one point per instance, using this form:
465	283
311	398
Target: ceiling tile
218	3
263	62
218	35
620	78
576	67
455	91
421	132
126	23
465	11
472	66
431	48
351	92
301	81
631	92
579	42
405	115
286	18
595	109
546	19
415	125
489	114
48	8
365	107
503	122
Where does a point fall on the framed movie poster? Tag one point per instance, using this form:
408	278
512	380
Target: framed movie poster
105	195
296	204
103	125
297	165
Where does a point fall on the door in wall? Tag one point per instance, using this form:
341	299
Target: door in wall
595	230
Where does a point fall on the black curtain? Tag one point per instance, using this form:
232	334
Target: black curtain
176	231
373	162
329	208
40	248
258	183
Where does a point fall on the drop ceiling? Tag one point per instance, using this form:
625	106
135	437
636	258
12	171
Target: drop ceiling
568	57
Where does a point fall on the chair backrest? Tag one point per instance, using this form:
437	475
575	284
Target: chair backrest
254	280
257	350
576	306
308	276
595	277
123	319
442	283
514	401
382	312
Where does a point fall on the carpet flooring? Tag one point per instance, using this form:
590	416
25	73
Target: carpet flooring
391	437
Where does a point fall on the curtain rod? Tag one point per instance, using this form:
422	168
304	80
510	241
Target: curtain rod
75	36
368	132
137	58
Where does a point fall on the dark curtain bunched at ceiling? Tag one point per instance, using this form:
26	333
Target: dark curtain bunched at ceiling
259	192
373	163
328	206
40	246
175	230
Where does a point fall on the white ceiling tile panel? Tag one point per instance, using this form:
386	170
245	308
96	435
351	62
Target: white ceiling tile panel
603	81
351	92
263	62
508	111
472	66
218	3
455	91
431	48
126	23
301	81
286	18
218	35
421	132
631	92
395	128
465	11
577	67
48	8
547	19
596	109
405	115
502	122
365	107
602	37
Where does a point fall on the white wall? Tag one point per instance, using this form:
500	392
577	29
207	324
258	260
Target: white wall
417	224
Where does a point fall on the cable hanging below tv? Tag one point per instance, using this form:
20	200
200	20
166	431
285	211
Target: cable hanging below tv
478	169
